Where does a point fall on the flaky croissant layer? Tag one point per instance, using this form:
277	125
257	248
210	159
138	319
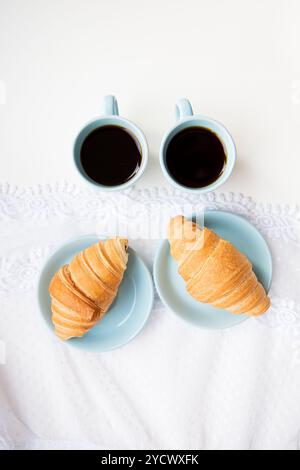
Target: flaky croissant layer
82	292
215	272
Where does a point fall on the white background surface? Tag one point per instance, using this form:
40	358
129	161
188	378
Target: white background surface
236	60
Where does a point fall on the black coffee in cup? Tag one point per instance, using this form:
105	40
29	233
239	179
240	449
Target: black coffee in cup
195	157
110	155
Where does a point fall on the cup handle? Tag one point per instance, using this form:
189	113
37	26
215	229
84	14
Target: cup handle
183	109
110	106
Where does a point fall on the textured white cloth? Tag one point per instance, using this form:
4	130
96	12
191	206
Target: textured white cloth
174	386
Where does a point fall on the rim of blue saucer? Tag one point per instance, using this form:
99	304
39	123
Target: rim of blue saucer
77	343
243	318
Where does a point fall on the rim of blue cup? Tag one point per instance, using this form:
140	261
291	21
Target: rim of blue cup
183	106
110	117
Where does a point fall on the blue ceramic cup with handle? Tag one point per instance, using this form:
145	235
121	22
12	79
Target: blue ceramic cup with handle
185	119
110	117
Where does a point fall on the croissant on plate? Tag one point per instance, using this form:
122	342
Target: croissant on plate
214	271
82	292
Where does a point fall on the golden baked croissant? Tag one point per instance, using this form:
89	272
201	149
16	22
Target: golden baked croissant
82	292
214	270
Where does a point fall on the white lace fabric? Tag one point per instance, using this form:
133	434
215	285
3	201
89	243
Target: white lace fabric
174	386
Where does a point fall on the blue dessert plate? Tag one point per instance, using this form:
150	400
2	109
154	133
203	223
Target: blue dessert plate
171	287
127	315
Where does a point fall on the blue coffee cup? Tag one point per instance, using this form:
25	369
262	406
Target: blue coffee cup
186	118
110	117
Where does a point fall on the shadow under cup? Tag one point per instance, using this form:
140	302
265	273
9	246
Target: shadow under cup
134	132
223	136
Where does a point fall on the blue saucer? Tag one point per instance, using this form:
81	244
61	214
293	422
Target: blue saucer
127	315
171	287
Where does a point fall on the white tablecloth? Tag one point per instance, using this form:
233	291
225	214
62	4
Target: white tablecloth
174	386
